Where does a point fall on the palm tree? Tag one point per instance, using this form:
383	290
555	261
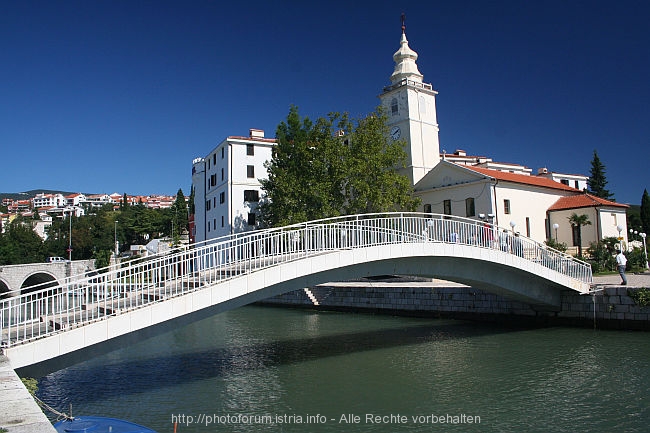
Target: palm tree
578	221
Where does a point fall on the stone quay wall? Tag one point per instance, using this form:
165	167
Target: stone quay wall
609	307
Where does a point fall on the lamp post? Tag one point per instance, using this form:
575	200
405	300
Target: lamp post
645	252
117	245
70	237
555	227
512	225
620	238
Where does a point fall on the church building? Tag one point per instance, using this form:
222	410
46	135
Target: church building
509	195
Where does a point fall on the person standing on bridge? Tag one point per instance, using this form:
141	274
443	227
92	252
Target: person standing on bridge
621	263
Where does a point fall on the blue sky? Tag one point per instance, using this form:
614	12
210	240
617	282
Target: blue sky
120	96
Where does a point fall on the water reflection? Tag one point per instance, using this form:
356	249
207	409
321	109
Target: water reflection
271	360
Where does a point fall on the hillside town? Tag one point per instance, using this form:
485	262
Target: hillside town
56	205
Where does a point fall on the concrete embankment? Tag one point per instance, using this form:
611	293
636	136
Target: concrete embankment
19	413
608	307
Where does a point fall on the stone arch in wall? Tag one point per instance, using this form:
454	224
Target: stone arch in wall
40	279
4	288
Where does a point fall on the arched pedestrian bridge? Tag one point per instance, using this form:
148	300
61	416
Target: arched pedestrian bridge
221	274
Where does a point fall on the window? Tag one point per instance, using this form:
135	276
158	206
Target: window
251	195
250	171
208	226
251	219
207	206
394	108
222	152
214	159
506	206
469	207
213	180
446	207
250	150
214	223
577	185
214	202
564	182
221	220
427	208
222	197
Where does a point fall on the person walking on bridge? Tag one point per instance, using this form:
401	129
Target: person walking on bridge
621	263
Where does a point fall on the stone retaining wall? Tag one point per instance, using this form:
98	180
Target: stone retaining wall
610	307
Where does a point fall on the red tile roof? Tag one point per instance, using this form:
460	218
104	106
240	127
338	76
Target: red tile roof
521	178
583	200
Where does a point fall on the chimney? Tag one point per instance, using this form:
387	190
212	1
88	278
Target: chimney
256	133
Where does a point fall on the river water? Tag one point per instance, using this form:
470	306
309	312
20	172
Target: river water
266	369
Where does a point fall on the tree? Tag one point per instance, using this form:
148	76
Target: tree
179	214
597	180
19	244
645	212
577	221
334	166
190	203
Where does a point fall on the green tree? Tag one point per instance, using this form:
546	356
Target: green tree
190	202
579	221
597	180
602	254
645	212
334	166
179	215
19	244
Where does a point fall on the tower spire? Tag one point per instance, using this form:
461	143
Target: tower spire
405	57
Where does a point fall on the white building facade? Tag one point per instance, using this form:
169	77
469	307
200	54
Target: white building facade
227	187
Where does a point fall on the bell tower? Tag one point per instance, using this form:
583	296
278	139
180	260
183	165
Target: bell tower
410	105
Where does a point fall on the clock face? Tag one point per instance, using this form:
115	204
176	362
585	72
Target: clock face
395	132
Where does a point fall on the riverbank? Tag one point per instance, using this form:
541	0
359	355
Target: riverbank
608	307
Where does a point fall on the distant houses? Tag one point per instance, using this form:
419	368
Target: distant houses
56	205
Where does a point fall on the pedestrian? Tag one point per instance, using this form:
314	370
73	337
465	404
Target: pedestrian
621	263
504	241
517	245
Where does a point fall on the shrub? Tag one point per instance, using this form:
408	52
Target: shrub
641	297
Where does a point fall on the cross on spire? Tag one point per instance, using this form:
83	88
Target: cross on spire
403	22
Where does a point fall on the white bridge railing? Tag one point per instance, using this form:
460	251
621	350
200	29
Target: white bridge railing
42	311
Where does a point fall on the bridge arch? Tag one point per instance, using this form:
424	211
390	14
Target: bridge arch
491	270
41	280
4	288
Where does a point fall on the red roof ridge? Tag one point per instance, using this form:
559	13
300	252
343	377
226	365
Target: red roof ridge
521	178
583	200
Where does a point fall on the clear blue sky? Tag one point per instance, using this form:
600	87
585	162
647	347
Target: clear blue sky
120	96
